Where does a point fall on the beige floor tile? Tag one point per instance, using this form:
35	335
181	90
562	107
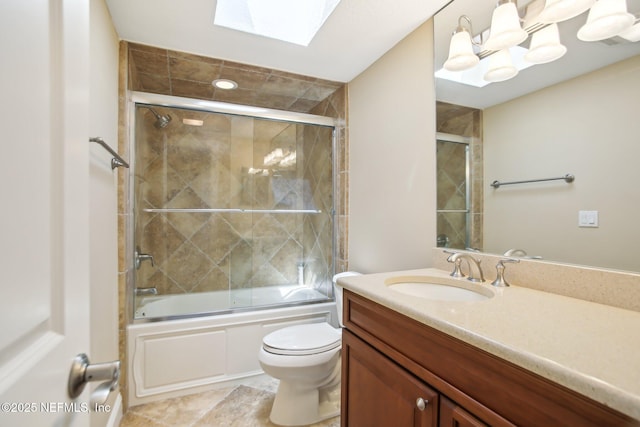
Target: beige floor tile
184	410
247	405
132	419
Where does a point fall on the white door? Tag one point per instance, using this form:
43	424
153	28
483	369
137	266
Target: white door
44	234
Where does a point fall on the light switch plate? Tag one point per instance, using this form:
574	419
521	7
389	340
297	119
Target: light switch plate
587	218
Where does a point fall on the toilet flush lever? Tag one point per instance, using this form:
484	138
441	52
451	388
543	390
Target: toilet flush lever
83	372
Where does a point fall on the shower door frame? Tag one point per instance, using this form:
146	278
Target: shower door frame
466	141
151	99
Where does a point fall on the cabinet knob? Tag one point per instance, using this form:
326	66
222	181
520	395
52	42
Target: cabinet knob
421	403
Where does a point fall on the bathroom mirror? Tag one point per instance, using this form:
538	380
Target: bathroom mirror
577	115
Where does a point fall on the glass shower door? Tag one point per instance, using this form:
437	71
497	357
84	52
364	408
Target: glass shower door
232	211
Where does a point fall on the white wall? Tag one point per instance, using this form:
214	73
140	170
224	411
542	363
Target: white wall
589	127
103	194
392	190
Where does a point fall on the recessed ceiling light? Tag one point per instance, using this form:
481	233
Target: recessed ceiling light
225	84
292	21
193	122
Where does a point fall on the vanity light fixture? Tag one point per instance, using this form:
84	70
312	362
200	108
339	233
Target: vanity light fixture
274	157
225	84
501	67
260	172
475	76
461	55
632	34
506	30
545	46
561	10
607	18
288	160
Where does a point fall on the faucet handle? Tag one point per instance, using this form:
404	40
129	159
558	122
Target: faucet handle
500	281
139	257
457	262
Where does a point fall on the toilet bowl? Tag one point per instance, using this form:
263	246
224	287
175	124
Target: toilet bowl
306	360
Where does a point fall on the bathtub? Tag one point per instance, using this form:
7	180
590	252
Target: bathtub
170	358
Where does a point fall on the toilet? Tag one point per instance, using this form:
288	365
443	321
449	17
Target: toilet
306	360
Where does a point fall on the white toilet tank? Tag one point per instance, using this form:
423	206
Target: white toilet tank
337	290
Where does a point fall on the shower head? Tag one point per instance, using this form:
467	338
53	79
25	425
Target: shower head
161	121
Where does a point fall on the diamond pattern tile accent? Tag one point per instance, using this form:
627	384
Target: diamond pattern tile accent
216	238
187	223
187	266
161	183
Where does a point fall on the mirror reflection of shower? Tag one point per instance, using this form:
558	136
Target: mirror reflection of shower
161	121
454	197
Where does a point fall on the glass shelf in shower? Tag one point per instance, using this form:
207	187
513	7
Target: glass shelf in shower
234	210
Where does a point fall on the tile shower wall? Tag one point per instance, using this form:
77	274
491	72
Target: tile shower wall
174	73
461	121
209	167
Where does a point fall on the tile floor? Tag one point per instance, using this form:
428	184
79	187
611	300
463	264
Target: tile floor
246	405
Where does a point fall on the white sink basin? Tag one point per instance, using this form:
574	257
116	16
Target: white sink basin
439	289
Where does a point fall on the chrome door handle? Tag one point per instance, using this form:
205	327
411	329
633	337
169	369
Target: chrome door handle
83	372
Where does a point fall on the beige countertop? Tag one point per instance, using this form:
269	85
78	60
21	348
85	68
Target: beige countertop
591	348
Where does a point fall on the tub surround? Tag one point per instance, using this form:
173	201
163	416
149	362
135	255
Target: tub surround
585	346
179	357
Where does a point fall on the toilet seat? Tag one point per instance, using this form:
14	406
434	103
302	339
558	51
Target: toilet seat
303	340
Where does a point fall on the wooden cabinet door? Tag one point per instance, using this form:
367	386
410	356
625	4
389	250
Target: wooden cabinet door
452	415
377	392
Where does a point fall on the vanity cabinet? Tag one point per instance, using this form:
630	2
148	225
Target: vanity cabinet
381	393
390	361
454	415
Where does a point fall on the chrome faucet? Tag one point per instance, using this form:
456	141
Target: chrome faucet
138	257
500	280
516	252
457	258
520	253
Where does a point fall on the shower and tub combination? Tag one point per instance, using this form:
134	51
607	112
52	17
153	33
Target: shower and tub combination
233	237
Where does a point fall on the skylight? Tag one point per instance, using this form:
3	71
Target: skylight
293	21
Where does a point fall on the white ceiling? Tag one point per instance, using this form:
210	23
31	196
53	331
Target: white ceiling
353	37
356	34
